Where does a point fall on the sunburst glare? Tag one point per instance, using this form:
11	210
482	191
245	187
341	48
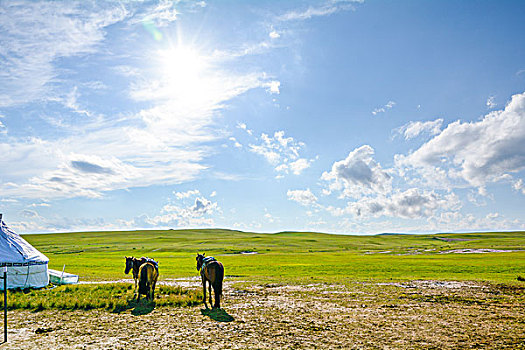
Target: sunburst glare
182	68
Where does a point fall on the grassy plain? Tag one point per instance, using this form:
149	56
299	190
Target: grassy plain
291	256
300	291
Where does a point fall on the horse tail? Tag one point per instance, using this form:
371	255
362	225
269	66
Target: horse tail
143	279
218	278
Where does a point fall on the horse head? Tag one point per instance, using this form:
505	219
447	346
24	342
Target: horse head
200	258
129	264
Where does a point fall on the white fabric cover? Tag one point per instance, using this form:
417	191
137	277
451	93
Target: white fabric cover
26	266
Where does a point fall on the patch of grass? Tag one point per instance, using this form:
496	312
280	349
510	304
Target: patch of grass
290	257
114	297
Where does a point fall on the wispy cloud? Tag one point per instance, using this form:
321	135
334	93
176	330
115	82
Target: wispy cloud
282	152
303	197
34	34
490	102
274	35
190	209
519	186
162	140
414	129
383	109
328	8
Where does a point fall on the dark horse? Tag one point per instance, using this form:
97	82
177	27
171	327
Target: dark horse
148	275
213	272
134	265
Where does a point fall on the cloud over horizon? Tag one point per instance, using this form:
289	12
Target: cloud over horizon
476	153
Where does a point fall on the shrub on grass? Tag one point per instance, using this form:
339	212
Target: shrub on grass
114	297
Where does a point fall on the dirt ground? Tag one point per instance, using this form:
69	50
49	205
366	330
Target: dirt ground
409	315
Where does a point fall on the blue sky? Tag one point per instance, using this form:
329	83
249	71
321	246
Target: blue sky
332	116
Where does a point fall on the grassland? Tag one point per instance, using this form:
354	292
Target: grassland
300	291
291	256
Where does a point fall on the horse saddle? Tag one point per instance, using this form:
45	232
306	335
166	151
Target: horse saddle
150	260
208	260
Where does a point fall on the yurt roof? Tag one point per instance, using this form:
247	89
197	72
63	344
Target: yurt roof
15	249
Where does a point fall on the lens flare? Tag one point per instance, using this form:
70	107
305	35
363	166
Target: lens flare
152	29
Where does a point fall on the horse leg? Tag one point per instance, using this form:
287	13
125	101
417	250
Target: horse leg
204	291
135	293
153	291
209	290
217	297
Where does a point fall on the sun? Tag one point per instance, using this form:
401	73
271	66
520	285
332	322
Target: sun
182	67
186	78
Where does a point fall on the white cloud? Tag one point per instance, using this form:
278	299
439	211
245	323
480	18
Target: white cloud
299	165
34	34
281	152
361	179
34	222
476	198
29	214
186	213
95	85
43	204
303	197
410	204
490	102
358	174
456	221
163	143
414	129
269	217
519	186
8	200
274	35
245	128
476	153
273	86
70	100
187	194
163	14
236	143
383	109
330	7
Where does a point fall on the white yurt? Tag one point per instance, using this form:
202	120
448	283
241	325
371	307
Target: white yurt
26	266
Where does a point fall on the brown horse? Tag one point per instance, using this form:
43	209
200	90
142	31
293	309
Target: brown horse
212	271
148	275
134	265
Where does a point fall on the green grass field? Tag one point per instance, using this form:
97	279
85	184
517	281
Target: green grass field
290	256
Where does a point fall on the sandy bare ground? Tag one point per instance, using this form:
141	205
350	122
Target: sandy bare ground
410	315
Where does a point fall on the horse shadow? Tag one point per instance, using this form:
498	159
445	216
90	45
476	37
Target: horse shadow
143	307
219	315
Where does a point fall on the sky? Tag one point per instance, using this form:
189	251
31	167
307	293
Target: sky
354	117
